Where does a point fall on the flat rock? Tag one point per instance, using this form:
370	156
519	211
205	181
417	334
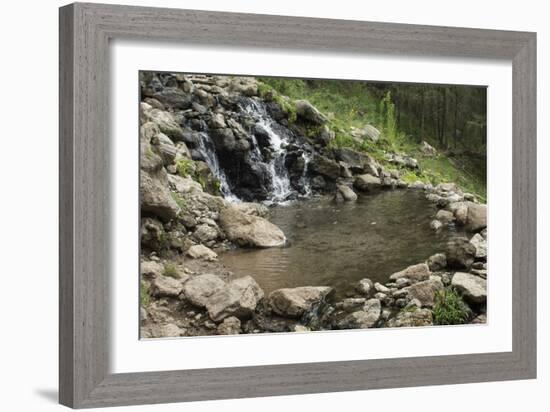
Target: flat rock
165	286
295	302
199	289
202	252
249	230
472	287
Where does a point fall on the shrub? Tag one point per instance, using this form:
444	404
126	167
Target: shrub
450	309
184	167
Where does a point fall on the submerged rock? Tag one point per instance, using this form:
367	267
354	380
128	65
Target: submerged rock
248	230
415	273
347	193
296	302
460	253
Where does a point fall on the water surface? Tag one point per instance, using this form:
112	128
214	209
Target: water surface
338	244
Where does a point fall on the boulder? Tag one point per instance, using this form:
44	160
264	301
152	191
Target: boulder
372	133
230	326
166	286
217	121
183	185
167	148
348	195
425	291
411	317
325	167
366	183
460	211
446	187
364	286
296	302
155	196
166	124
202	252
152	234
151	269
173	97
460	253
199	289
415	273
205	233
477	217
427	149
356	161
238	298
437	262
362	319
472	287
480	244
307	113
444	216
249	230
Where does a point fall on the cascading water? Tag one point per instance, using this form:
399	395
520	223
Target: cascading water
281	189
208	152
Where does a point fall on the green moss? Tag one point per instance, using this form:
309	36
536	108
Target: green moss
170	270
144	298
449	308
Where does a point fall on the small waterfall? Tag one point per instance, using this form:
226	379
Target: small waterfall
281	189
304	181
208	152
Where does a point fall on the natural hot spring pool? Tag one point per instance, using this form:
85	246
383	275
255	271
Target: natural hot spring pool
336	245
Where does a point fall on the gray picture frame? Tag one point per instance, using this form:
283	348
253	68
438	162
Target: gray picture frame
85	32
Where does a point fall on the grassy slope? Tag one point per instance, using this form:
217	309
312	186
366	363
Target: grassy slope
352	104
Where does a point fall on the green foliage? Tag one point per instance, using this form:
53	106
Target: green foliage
185	167
387	116
170	270
144	297
450	309
267	92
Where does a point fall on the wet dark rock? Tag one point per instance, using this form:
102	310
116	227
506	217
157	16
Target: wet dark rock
460	253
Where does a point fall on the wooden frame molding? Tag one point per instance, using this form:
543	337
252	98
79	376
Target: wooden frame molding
85	31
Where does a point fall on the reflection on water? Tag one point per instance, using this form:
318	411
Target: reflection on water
338	244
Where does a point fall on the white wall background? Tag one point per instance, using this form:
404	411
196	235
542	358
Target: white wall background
28	206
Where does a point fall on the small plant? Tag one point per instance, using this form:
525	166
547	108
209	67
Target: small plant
144	297
449	308
184	167
170	270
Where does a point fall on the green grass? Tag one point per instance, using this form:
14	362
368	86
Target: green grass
185	167
170	270
144	298
449	308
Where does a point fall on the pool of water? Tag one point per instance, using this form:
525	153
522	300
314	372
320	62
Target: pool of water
336	245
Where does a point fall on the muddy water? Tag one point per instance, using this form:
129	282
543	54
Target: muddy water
338	244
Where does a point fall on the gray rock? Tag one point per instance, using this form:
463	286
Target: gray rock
166	123
238	298
324	166
165	286
202	252
444	216
306	112
367	183
381	288
362	319
480	244
217	121
295	302
248	230
460	253
425	291
477	217
411	317
364	286
199	289
347	193
436	225
230	326
472	287
155	196
205	233
415	273
151	269
437	262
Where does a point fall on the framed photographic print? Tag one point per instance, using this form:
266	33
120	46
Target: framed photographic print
257	205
